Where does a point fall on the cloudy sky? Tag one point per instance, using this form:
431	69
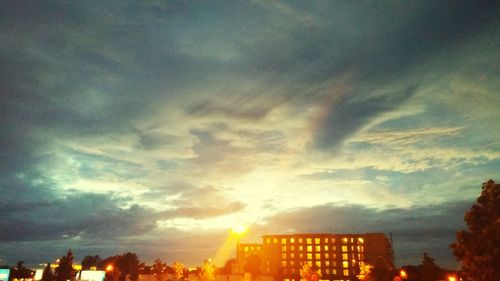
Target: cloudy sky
154	126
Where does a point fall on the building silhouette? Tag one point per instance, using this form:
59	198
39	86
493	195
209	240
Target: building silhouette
335	256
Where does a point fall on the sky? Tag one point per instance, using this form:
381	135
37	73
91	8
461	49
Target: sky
154	126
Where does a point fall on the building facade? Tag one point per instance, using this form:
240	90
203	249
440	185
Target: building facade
335	256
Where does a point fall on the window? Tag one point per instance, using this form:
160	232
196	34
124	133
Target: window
334	271
326	240
300	240
327	271
292	255
317	248
258	247
326	247
245	249
334	255
344	240
346	272
292	248
309	241
344	256
333	240
292	263
301	255
309	263
345	264
301	248
283	248
327	255
283	256
268	240
327	263
309	248
309	256
292	240
352	240
318	256
317	241
344	248
283	263
334	248
361	240
283	240
275	240
318	263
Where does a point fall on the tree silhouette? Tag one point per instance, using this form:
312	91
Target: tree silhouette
65	269
19	271
478	248
207	271
90	261
128	263
47	274
381	271
429	270
158	269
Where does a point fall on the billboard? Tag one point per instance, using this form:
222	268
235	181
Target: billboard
4	274
92	275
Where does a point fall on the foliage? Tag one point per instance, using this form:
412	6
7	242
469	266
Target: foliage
429	270
20	271
381	271
128	263
309	274
47	274
252	266
158	269
65	269
207	272
179	270
90	261
478	248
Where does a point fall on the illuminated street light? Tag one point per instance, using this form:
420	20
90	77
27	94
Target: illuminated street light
452	278
109	267
404	275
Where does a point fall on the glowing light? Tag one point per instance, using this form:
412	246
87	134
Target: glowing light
452	278
239	229
109	267
404	275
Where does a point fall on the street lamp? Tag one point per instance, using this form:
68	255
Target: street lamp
403	274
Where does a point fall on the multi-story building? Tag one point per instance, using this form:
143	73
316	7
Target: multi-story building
335	256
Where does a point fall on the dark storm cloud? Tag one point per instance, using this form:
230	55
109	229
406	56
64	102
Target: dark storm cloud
415	230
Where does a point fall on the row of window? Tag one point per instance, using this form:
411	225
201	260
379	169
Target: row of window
319	248
322	256
309	241
345	272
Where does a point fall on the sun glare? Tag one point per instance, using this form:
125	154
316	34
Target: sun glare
239	229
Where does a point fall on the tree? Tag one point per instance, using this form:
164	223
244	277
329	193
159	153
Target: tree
207	271
65	269
381	271
158	269
90	261
429	270
478	248
128	263
20	271
47	274
179	270
309	274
